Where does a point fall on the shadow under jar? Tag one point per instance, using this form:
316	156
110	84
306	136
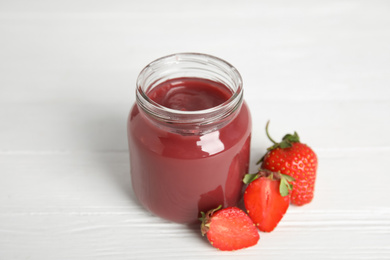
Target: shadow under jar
189	136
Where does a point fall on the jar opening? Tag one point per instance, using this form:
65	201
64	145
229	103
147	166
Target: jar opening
190	66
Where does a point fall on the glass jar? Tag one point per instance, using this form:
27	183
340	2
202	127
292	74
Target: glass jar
190	156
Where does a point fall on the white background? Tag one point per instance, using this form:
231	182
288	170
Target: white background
67	78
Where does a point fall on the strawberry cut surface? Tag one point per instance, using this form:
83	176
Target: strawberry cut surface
264	203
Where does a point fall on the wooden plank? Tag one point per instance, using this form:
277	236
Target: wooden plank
85	209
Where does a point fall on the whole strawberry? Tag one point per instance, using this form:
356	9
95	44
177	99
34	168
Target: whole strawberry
229	229
298	160
266	198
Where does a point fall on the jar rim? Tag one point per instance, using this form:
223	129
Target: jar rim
204	116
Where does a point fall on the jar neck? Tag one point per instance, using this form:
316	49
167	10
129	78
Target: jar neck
196	66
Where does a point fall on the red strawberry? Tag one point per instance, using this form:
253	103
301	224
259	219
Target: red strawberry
229	229
295	159
266	198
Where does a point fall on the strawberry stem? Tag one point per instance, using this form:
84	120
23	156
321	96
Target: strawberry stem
285	180
275	144
266	131
206	217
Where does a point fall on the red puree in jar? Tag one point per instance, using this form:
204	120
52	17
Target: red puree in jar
176	176
190	94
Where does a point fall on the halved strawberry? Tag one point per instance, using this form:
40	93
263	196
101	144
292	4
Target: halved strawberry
229	229
266	198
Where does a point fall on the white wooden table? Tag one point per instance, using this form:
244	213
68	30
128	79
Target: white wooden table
67	74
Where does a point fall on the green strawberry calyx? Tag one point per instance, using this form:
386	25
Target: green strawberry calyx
206	218
287	141
285	180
